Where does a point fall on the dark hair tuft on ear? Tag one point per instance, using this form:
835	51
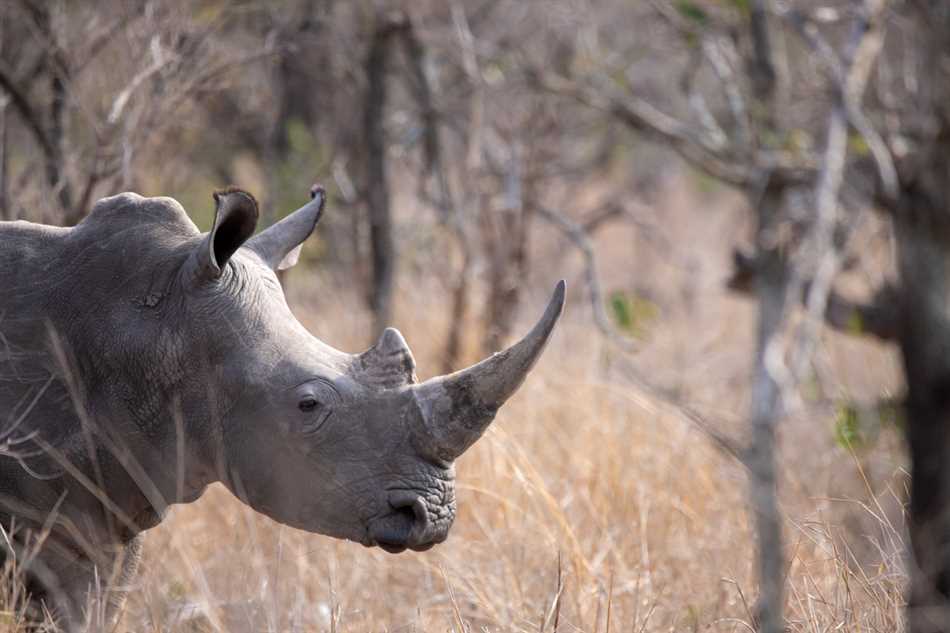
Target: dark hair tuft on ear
232	189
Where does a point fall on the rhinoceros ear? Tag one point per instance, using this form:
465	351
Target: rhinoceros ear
279	246
235	218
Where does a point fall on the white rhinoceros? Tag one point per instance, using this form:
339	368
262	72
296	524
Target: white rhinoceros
141	360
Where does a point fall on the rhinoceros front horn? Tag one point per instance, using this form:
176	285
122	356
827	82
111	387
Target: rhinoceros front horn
455	410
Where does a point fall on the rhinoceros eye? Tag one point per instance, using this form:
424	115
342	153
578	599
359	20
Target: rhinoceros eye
316	399
308	405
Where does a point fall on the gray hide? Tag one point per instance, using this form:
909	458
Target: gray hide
141	360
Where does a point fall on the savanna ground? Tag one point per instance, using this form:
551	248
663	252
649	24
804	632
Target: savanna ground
590	505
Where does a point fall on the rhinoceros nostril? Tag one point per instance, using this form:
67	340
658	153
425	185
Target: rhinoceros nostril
407	513
413	508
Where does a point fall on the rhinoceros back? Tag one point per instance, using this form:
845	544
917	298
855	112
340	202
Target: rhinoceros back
61	291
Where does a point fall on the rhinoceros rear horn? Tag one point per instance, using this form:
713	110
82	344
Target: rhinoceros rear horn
279	246
389	363
455	410
235	217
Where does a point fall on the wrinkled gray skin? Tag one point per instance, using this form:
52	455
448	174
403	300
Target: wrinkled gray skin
141	360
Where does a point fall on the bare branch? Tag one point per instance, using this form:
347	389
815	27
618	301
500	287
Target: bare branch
866	42
716	51
26	111
849	82
645	118
761	66
601	216
714	48
159	61
575	233
673	402
104	36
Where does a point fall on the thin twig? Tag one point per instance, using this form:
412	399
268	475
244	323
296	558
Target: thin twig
866	43
850	78
579	238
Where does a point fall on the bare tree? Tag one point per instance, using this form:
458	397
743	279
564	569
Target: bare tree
85	139
795	255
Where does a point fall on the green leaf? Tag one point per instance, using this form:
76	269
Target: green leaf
855	323
857	145
741	5
620	306
798	141
693	12
848	427
632	313
860	426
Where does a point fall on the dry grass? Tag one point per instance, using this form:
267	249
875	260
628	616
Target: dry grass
588	506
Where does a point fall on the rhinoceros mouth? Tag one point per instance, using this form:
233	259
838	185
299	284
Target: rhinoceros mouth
392	549
404	526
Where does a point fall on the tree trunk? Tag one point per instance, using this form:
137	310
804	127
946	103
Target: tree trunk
923	237
56	131
772	289
453	345
922	227
55	163
6	213
507	248
377	187
505	235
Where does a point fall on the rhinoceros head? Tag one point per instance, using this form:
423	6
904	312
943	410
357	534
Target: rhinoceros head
348	445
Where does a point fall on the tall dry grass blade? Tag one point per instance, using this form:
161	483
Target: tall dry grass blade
459	621
560	591
554	611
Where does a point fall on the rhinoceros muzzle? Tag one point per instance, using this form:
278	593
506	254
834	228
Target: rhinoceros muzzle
446	415
406	526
